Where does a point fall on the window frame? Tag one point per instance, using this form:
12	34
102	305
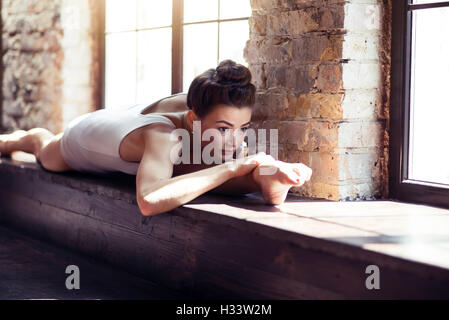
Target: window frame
2	128
177	44
400	186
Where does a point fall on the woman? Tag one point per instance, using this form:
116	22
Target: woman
137	140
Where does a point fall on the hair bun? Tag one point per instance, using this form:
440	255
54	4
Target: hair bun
229	72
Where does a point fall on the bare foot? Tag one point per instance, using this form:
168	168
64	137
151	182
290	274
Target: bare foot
4	138
276	179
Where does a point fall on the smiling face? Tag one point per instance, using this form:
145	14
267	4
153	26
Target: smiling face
229	121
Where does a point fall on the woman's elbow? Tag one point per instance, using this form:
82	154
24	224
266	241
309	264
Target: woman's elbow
146	208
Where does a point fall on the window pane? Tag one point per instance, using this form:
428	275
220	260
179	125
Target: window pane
200	50
429	127
426	1
154	13
200	10
234	9
233	37
120	77
120	15
153	64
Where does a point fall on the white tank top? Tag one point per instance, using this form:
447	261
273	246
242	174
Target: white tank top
92	141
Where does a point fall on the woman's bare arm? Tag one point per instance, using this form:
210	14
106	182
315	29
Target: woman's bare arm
272	184
157	191
238	185
171	193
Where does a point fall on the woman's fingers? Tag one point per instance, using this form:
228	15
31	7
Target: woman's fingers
260	158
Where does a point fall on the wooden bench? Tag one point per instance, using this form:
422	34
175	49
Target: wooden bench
235	247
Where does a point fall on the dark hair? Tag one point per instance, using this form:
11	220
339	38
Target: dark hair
229	84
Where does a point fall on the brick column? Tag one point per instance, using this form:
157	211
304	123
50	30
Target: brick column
318	67
49	73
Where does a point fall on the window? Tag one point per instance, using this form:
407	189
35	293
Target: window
419	153
2	129
155	48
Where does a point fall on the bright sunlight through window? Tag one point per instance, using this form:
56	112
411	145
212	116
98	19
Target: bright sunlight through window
429	112
138	45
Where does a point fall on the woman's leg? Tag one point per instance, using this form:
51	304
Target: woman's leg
20	140
38	141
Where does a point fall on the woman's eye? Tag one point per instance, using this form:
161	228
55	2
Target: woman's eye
223	129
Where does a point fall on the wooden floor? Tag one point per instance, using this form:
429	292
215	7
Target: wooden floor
232	247
31	269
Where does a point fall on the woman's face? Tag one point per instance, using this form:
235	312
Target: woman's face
230	123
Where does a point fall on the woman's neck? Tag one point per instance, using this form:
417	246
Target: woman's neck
185	123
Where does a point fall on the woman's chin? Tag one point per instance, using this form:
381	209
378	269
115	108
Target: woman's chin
227	155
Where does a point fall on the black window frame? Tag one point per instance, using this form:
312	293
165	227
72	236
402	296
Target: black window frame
400	186
177	44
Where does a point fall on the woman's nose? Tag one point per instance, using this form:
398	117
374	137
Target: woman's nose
238	133
234	136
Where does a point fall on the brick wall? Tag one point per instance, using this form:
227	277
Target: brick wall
49	75
81	66
321	69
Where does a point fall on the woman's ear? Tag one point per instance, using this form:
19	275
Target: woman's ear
191	116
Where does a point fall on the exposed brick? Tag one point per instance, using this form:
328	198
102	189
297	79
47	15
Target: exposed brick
317	105
258	74
300	78
325	167
329	78
39	67
277	52
320	66
253	53
263	5
309	136
309	49
301	21
258	24
323	190
276	76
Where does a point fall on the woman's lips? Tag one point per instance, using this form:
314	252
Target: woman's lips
228	152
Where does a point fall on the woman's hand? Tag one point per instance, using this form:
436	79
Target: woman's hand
277	177
245	165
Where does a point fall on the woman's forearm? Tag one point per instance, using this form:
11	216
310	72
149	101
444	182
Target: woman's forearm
238	185
168	194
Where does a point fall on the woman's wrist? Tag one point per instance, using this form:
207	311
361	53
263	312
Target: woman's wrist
255	174
231	168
